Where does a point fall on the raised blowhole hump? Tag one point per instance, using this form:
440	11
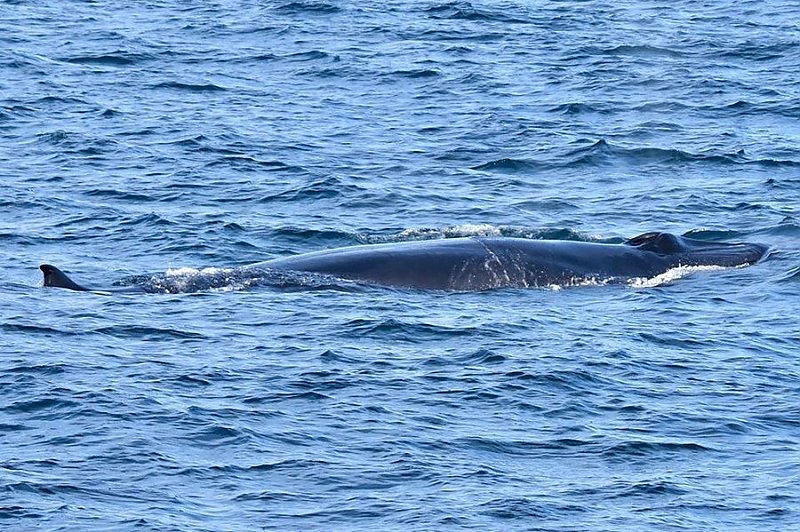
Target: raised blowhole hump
657	242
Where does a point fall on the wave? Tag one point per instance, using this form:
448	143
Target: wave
318	189
635	50
510	165
602	153
122	195
527	509
479	229
576	108
190	87
787	183
396	329
787	227
482	357
467	11
308	7
523	447
146	220
149	333
38	406
416	73
37	329
629	449
118	58
311	55
758	51
715	234
792	276
242	161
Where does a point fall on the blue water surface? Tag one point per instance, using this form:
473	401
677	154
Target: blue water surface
170	137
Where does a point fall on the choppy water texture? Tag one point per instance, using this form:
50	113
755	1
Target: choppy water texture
141	137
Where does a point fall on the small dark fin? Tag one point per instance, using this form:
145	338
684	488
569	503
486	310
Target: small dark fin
55	277
656	242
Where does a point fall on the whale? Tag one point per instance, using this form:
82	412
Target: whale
482	263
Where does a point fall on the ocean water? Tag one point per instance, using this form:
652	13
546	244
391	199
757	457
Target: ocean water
142	138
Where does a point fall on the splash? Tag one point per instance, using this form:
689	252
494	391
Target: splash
212	279
670	276
187	271
187	279
453	231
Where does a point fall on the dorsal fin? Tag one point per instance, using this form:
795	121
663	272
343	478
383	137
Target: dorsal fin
656	242
55	277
